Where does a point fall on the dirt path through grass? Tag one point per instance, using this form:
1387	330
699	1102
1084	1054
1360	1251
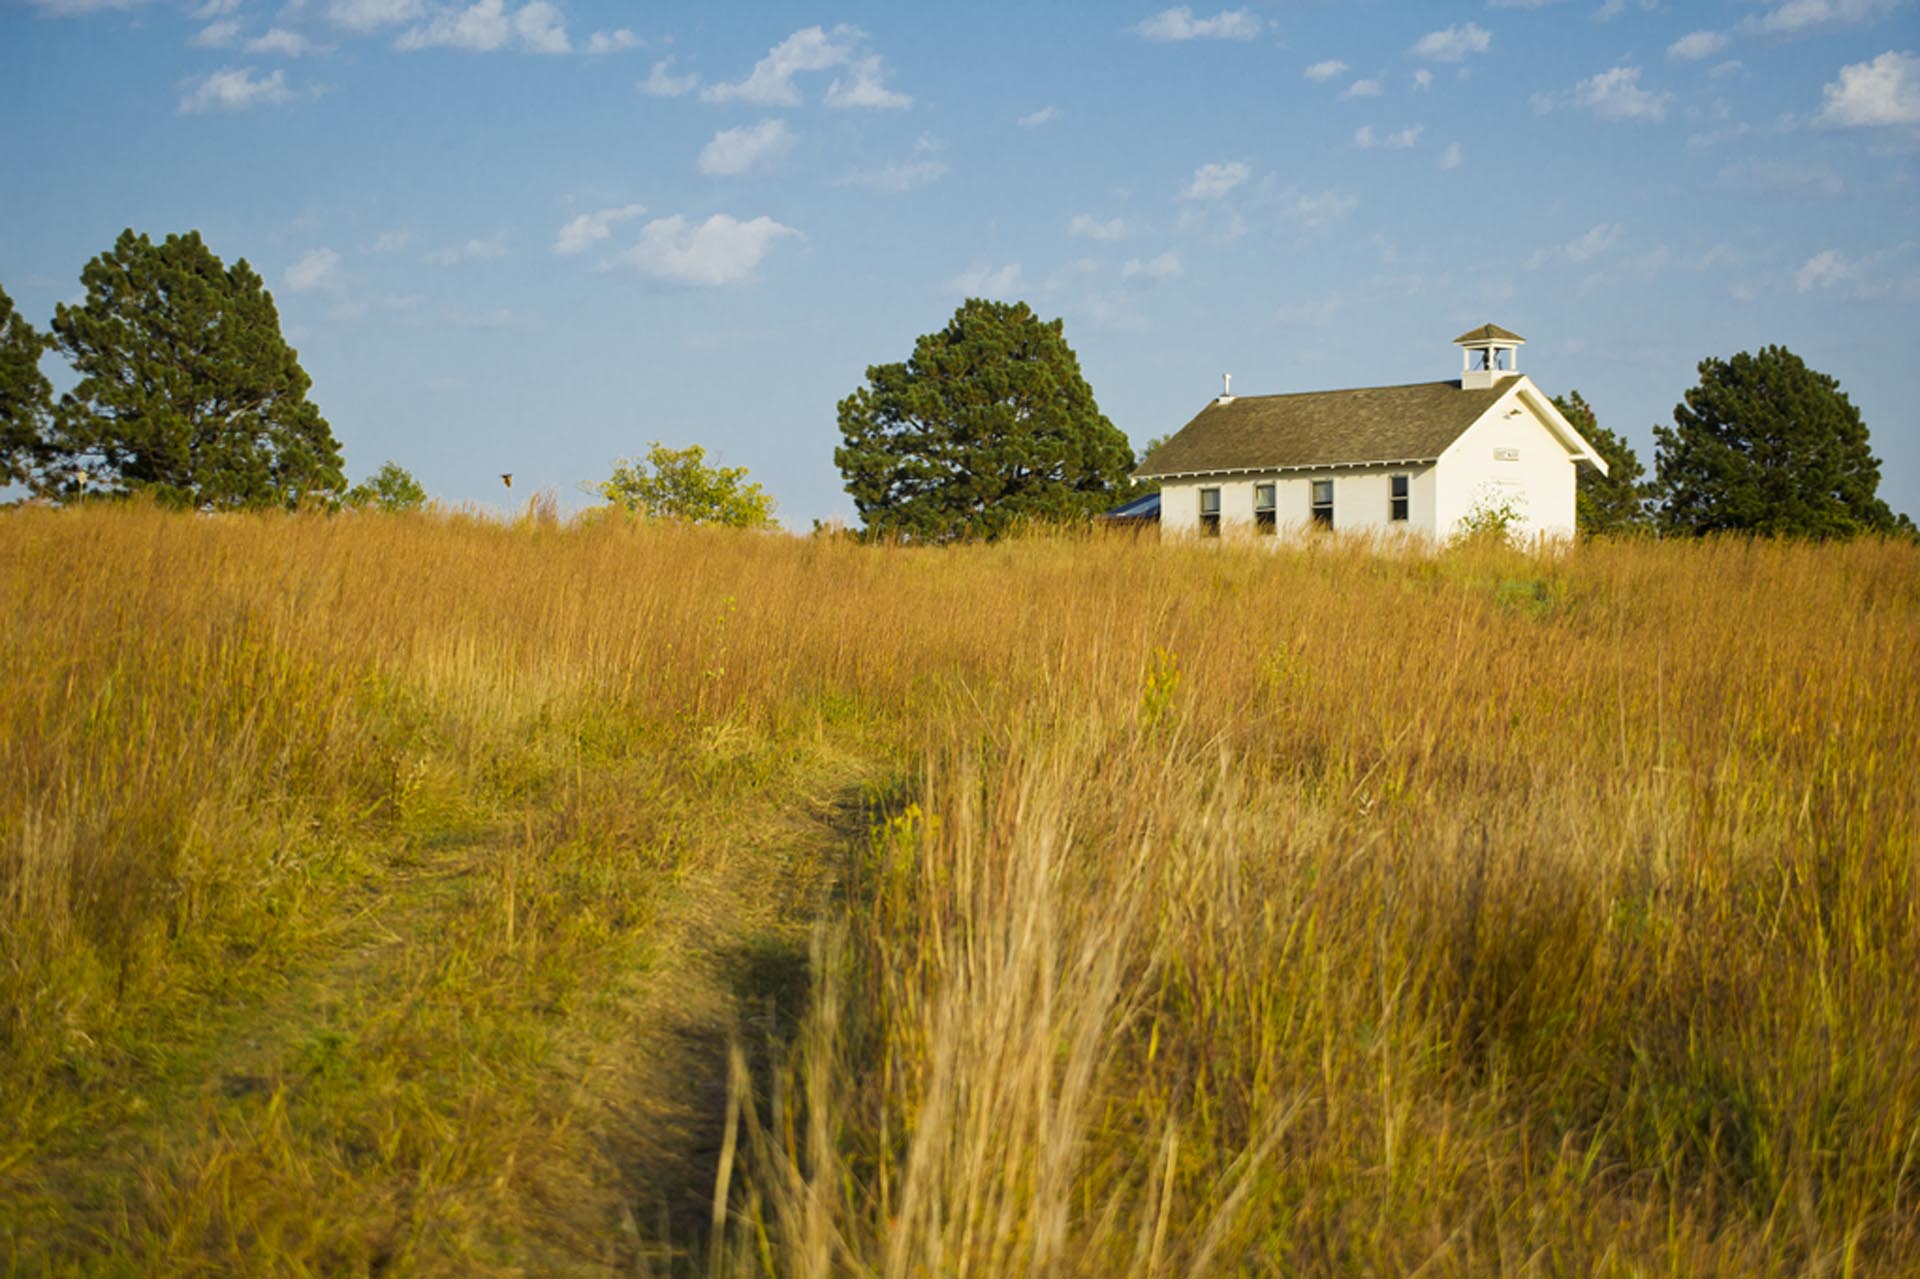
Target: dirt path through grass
497	1058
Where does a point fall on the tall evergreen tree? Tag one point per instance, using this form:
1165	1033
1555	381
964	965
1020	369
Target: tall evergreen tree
187	389
26	397
987	424
1766	445
1617	501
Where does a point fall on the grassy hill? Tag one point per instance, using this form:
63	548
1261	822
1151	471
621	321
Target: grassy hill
436	896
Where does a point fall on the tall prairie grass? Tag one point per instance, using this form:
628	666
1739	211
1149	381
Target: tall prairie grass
1231	912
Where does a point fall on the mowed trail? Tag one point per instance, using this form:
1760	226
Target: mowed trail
500	1056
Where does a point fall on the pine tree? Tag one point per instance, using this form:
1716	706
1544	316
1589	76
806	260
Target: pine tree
1766	445
26	397
187	389
989	423
1616	502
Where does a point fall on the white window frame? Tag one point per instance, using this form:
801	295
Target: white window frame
1322	512
1210	520
1266	518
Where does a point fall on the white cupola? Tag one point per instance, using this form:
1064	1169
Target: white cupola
1488	354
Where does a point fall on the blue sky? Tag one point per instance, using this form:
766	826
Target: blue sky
533	237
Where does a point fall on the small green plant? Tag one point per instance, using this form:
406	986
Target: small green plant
389	490
677	484
1495	516
1163	681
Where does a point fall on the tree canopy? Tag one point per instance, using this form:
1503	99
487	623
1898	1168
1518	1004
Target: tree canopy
187	389
389	490
678	484
26	397
987	424
1766	445
1617	501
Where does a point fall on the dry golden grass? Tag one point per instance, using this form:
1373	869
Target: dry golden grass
1227	912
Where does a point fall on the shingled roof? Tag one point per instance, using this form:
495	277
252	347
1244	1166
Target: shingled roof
1371	424
1487	333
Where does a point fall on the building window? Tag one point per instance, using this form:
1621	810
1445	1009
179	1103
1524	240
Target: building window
1323	503
1263	510
1210	512
1401	484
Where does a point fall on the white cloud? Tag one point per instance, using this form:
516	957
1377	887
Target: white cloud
370	15
391	241
316	271
1423	79
1366	138
1085	225
1800	15
471	251
1583	249
739	150
770	83
1781	177
1317	209
1363	89
79	8
896	179
487	27
1034	119
662	83
988	282
1167	266
1451	157
616	41
1695	46
720	251
865	88
1593	243
214	9
1179	24
1885	91
590	228
1211	181
286	44
1823	270
1616	95
216	35
1454	43
235	89
1321	71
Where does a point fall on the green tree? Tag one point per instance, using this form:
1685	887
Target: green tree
187	389
390	490
1766	445
1617	501
678	484
26	397
1140	488
989	423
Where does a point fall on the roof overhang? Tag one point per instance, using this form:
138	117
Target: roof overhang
1285	470
1556	422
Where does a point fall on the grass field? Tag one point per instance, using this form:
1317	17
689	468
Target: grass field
430	895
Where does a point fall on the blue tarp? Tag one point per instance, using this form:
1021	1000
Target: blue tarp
1141	508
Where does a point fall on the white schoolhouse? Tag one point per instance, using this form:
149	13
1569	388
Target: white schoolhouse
1417	458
